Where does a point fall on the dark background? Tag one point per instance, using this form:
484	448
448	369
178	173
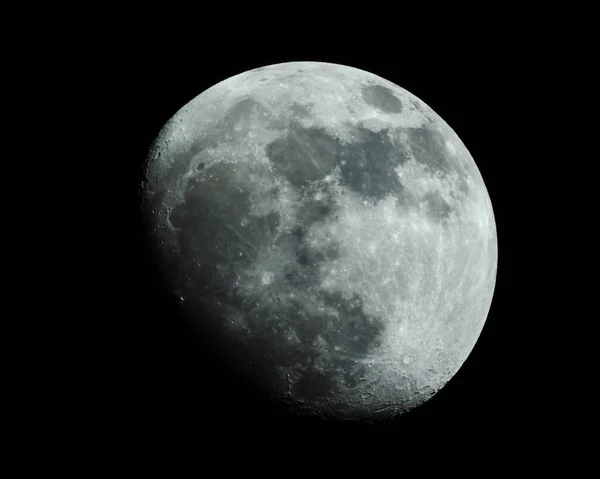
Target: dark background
174	389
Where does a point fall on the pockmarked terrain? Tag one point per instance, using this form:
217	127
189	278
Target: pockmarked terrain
331	230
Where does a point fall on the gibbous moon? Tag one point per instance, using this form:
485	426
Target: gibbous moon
330	231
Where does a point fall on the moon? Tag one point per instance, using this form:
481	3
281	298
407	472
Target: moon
329	231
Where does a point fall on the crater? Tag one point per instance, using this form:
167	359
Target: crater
381	98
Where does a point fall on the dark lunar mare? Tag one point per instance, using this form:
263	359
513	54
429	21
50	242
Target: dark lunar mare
215	252
382	98
303	154
429	149
367	164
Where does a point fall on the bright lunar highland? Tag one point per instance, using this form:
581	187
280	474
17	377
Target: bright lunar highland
328	232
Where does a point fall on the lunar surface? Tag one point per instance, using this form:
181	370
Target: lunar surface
331	233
